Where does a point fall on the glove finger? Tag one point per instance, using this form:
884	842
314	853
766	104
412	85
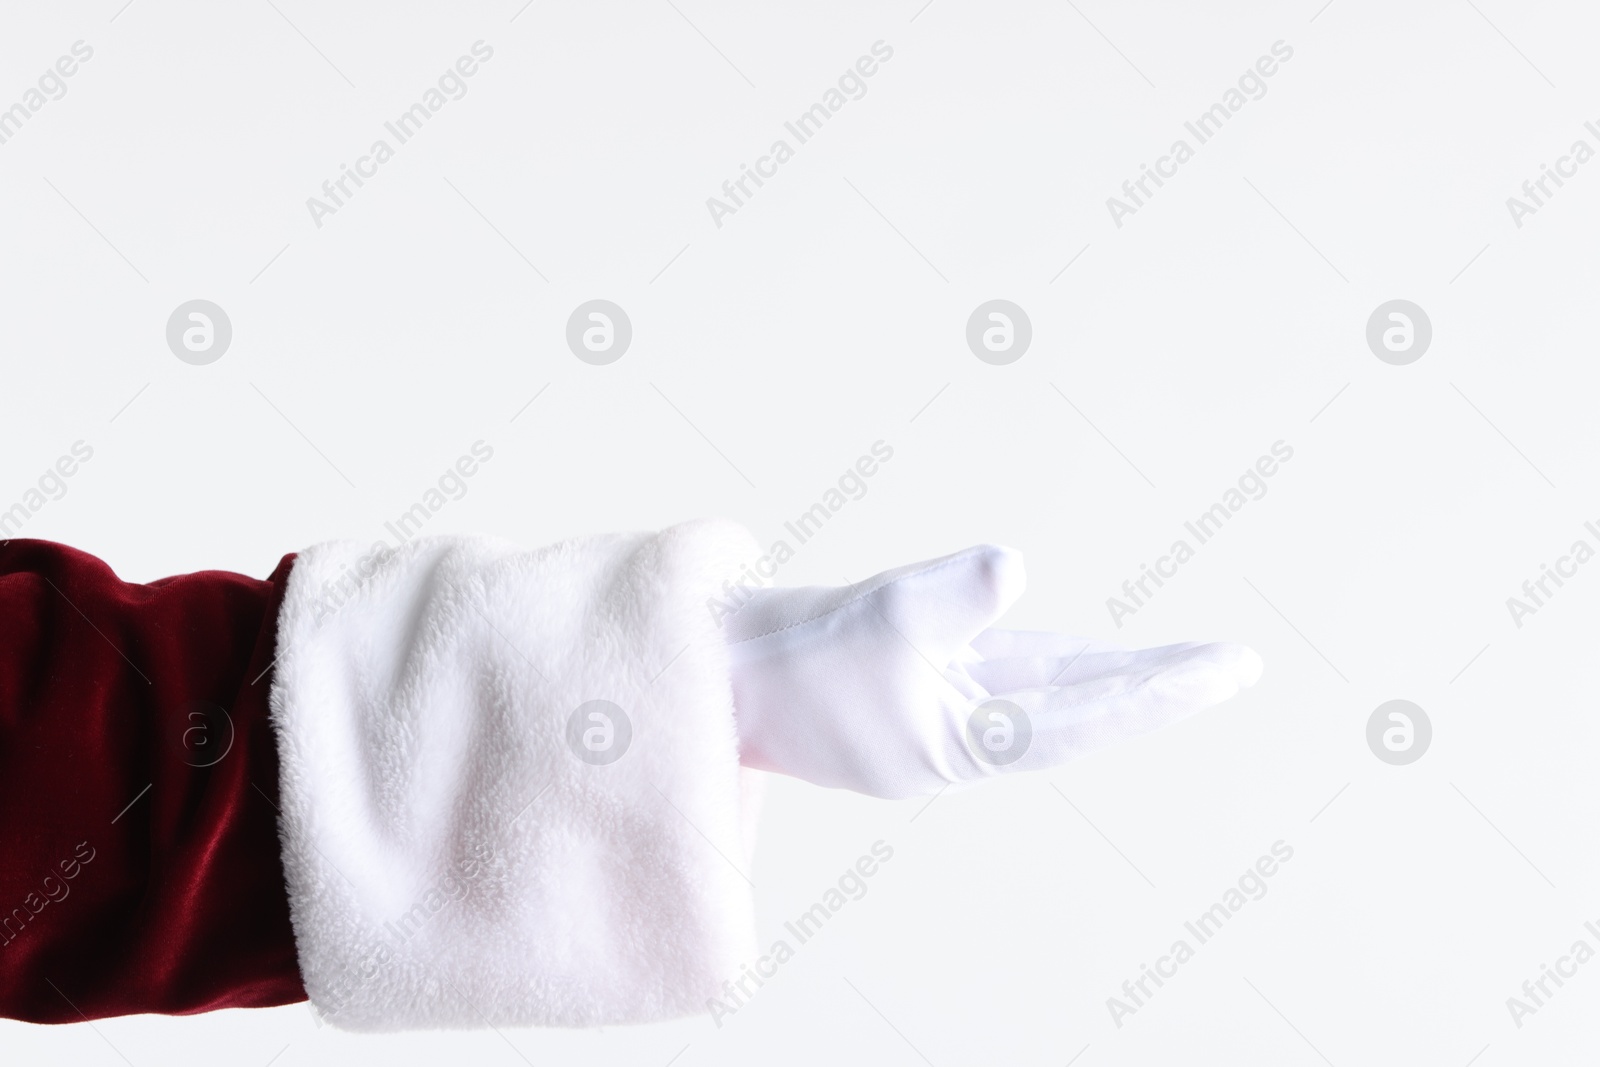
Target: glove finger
1124	696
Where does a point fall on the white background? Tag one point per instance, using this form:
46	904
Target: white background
1227	314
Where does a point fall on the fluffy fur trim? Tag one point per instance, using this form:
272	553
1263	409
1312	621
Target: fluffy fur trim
459	852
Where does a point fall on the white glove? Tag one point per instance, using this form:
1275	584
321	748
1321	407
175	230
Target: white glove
895	687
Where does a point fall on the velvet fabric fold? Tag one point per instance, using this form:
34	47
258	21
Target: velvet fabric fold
140	868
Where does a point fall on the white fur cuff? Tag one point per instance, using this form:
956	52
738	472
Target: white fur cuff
510	781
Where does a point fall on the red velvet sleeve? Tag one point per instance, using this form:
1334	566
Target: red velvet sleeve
139	855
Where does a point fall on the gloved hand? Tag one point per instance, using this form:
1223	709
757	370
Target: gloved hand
896	687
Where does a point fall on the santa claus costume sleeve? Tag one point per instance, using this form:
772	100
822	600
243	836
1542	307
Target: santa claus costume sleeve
455	783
